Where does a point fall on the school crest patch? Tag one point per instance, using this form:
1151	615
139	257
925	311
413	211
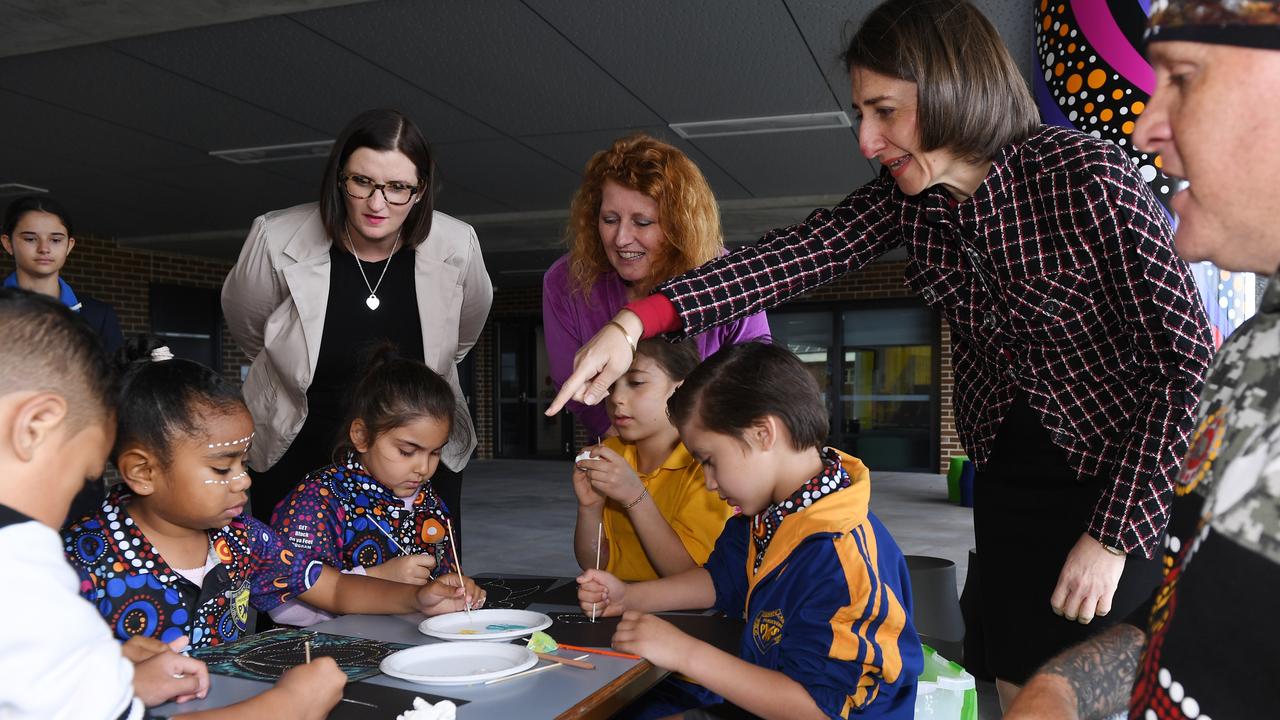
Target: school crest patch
241	604
766	629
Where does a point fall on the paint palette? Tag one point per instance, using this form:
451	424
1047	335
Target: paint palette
458	663
489	624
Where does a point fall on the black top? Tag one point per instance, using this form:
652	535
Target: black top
104	321
9	516
350	327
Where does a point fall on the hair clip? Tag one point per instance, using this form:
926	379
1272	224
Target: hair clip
161	354
226	481
229	443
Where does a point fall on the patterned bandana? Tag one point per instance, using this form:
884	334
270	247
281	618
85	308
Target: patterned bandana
832	478
1246	23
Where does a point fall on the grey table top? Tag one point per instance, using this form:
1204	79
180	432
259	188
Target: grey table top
541	695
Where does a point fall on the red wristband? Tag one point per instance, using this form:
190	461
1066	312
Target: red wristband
657	314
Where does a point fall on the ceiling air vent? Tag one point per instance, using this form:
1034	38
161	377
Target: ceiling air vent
755	125
14	189
275	153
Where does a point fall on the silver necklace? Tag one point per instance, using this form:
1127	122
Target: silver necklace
372	301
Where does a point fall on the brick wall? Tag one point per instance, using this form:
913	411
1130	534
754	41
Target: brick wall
879	281
122	276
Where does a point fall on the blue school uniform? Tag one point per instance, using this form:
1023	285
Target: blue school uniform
347	519
825	594
100	316
138	593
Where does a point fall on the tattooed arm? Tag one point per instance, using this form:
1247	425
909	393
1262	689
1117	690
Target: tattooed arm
1091	680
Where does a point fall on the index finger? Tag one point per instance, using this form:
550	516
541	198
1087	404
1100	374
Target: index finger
575	384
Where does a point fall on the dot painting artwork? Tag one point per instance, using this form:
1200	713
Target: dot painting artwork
512	593
268	655
1094	78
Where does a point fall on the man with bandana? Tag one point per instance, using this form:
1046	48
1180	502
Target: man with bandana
1202	647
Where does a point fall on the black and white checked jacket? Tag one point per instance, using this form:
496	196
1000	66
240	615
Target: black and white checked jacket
1059	280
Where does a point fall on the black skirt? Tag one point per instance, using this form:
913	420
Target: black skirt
1030	509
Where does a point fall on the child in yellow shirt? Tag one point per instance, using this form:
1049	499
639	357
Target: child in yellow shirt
641	491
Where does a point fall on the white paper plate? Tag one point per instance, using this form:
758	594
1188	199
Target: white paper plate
457	663
457	626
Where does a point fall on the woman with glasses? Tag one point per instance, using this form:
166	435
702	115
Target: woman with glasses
318	284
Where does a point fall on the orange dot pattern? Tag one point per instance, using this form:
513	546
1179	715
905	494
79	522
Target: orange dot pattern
1089	93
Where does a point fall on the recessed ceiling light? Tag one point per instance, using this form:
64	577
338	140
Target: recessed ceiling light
275	153
756	125
13	188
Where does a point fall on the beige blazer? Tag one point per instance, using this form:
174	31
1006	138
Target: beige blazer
274	301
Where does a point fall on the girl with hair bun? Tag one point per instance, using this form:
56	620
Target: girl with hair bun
171	551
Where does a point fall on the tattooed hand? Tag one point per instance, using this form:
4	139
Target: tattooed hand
1091	680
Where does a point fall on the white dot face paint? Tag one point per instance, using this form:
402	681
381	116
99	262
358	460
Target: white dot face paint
231	443
226	481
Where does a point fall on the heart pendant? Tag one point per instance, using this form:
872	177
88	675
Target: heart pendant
373	302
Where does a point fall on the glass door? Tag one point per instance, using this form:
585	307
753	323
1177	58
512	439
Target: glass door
553	436
888	396
513	383
877	366
524	391
808	335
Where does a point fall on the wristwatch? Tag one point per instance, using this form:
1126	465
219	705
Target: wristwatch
1111	549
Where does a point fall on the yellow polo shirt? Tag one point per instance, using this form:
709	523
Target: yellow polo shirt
696	514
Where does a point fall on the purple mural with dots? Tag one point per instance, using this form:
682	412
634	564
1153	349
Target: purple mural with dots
1093	77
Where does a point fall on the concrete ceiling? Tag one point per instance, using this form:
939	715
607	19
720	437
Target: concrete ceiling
115	107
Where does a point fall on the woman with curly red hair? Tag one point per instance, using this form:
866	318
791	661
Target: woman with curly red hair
643	215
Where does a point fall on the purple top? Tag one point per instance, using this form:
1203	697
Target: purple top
569	321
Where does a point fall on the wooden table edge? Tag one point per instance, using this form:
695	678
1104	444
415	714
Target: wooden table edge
611	698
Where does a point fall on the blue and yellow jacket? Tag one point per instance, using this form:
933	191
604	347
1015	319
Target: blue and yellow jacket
830	606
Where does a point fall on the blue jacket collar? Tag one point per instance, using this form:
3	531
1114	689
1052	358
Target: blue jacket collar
65	294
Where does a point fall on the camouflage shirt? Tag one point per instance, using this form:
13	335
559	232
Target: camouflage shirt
1213	621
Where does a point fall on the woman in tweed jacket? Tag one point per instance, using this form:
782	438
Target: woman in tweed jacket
1079	343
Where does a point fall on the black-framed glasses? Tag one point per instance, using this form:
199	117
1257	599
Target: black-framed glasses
361	188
